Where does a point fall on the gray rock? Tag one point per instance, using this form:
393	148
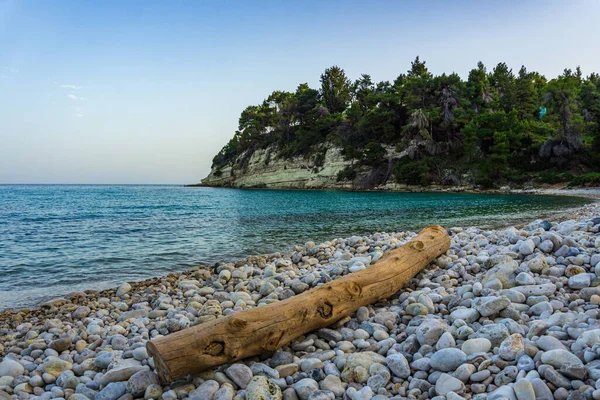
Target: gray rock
524	279
123	289
281	358
241	374
137	384
398	364
579	281
468	315
526	247
447	359
305	387
545	289
524	390
487	306
549	343
504	392
10	367
447	383
525	363
112	391
542	392
264	370
121	371
226	392
556	378
495	333
558	357
206	390
477	345
153	392
430	331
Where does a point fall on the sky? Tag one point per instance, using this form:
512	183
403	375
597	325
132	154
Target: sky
149	91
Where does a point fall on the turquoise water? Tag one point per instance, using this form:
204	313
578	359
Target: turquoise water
59	239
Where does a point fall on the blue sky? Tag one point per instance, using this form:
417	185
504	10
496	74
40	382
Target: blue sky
148	92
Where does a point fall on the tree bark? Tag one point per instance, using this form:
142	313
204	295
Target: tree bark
267	328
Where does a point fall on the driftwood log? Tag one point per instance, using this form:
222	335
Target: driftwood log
251	332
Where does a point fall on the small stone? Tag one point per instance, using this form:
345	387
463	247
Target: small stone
511	346
240	374
55	366
430	331
311	363
362	314
558	357
112	391
260	388
447	383
398	364
12	368
305	387
445	341
81	312
487	306
579	281
137	384
206	390
504	392
123	289
542	392
122	370
477	345
447	359
287	369
140	353
153	391
524	390
526	247
333	384
525	363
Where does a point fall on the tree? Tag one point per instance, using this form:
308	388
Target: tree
525	100
503	82
478	88
335	89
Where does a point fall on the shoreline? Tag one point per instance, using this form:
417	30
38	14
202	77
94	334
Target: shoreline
550	190
501	288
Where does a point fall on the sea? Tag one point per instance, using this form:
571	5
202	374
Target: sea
58	239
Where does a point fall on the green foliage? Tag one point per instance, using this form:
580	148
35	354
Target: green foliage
589	179
374	154
335	89
487	126
553	176
411	172
346	174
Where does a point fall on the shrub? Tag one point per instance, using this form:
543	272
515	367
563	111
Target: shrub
589	179
347	174
552	176
411	172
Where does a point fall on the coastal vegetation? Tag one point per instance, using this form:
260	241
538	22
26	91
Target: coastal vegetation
496	127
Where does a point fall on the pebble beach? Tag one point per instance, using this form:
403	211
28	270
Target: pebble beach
511	313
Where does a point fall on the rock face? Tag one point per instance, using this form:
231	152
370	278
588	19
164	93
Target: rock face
264	169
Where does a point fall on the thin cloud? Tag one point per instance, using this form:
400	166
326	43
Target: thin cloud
73	87
72	96
79	115
8	72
